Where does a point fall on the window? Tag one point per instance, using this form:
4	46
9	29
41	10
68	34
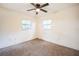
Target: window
26	24
47	24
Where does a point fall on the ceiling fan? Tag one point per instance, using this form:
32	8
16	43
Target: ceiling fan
38	7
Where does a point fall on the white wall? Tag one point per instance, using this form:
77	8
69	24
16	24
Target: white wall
65	28
10	28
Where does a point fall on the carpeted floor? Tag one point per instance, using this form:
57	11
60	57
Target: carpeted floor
38	47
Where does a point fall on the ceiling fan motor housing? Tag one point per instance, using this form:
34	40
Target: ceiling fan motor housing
38	5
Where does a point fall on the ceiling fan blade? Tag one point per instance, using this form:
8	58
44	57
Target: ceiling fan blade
43	10
33	4
30	9
45	5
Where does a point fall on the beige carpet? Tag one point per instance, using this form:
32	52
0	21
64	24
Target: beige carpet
38	47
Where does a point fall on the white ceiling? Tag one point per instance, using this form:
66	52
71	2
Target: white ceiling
22	7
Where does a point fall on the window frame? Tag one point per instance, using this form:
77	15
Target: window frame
47	24
26	24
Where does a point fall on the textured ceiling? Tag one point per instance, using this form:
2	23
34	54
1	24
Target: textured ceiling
22	7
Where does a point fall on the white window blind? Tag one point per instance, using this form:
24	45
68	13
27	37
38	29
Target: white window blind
47	24
26	24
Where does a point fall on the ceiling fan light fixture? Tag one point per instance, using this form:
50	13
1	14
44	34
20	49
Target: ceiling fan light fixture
38	7
37	10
